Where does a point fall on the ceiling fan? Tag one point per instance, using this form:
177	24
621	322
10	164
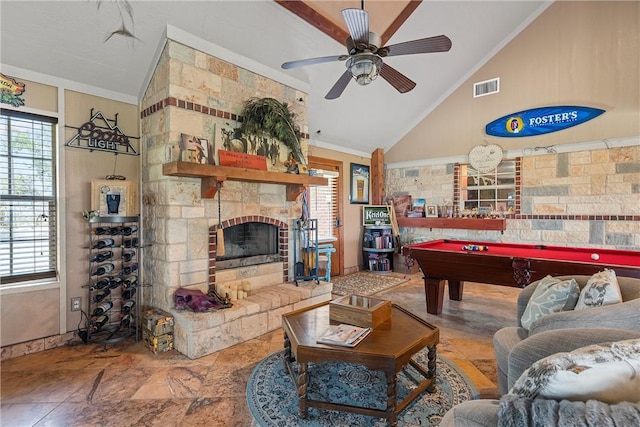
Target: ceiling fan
364	59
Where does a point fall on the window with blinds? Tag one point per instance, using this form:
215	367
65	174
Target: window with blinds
323	203
27	197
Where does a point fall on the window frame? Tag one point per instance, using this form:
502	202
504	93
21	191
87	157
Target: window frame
50	197
512	207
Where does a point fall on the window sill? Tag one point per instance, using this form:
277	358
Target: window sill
32	286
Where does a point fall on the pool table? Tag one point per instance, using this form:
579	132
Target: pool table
507	264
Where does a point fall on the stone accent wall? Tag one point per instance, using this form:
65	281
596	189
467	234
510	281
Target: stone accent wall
197	94
582	198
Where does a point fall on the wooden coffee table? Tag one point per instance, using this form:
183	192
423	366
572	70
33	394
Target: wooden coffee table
388	348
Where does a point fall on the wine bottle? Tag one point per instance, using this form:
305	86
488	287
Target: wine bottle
102	256
114	231
130	281
115	282
99	322
104	243
103	308
130	268
130	243
103	269
103	230
128	255
100	284
128	230
125	322
101	295
128	293
127	306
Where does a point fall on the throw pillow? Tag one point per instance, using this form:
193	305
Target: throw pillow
550	296
606	372
601	289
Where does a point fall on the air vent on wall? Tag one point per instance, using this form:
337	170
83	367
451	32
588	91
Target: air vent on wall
486	87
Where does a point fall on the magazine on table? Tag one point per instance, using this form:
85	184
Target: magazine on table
344	335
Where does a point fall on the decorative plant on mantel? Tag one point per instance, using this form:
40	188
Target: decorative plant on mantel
269	117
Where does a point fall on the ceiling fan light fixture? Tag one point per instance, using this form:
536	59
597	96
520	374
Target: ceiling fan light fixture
364	68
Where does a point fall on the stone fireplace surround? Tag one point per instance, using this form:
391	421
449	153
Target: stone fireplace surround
192	92
269	297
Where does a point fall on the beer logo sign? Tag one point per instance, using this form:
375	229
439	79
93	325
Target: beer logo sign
102	134
10	91
540	121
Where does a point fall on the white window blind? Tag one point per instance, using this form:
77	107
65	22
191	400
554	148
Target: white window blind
27	197
323	203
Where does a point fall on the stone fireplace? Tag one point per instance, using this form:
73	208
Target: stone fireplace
194	93
256	256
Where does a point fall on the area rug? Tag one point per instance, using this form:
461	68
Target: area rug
364	283
273	401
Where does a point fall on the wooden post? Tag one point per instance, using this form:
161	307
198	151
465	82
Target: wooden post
377	177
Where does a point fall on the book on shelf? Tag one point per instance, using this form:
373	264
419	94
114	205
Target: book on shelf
344	335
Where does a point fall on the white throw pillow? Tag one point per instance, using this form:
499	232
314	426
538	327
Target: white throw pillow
550	296
606	372
601	289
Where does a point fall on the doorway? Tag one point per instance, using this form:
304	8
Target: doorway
325	204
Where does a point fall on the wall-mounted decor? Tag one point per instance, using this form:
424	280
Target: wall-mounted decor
359	184
376	215
114	197
102	134
10	91
539	121
484	158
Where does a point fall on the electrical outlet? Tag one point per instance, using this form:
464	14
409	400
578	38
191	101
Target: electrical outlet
76	303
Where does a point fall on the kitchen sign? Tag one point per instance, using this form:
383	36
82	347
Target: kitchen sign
540	121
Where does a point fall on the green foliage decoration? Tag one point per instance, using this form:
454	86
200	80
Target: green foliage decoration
270	117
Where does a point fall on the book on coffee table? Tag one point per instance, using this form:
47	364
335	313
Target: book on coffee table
344	335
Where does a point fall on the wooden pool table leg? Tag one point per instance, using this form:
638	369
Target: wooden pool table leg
434	293
455	290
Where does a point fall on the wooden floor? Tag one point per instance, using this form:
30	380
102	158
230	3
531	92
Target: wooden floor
80	385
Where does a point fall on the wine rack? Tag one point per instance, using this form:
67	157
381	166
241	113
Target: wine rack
113	287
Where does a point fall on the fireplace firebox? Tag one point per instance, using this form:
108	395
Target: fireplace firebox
250	243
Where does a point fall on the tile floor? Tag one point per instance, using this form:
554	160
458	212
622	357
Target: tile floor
126	385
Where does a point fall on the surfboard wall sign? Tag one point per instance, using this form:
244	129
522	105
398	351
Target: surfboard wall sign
540	121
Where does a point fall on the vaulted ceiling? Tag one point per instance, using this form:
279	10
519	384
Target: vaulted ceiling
82	42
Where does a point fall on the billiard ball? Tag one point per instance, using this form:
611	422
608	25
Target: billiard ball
595	257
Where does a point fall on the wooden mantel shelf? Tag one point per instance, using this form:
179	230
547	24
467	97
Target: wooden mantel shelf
211	174
499	224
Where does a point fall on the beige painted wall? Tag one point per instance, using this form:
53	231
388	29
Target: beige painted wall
575	53
352	221
42	306
81	167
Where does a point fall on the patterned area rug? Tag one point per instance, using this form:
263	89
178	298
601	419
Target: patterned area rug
364	283
273	401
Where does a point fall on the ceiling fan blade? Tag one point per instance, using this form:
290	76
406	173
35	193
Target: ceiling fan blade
357	21
340	86
402	83
426	45
312	61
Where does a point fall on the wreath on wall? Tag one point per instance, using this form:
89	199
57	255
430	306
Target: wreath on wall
271	118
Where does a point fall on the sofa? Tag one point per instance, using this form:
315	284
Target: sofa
518	348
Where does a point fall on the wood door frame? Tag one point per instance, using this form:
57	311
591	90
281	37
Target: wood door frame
319	162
